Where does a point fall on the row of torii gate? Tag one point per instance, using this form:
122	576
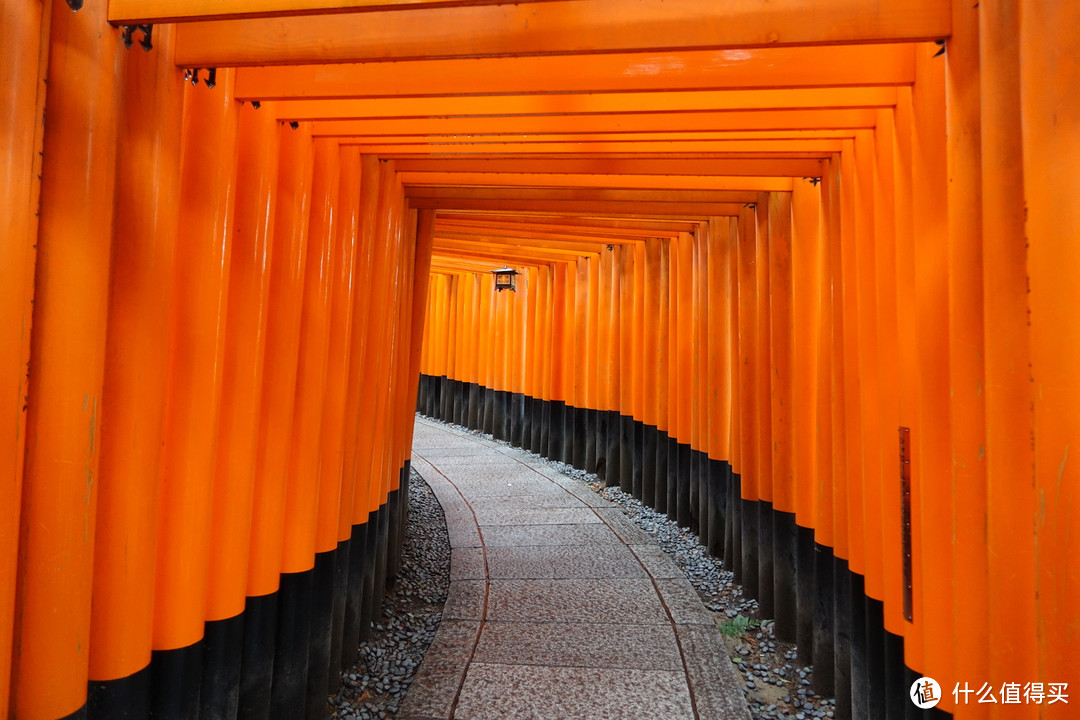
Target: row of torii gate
825	252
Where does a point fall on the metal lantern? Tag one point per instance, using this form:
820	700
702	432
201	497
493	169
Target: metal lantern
504	279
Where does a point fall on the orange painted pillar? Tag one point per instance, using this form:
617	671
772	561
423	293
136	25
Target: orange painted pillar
24	54
321	270
808	300
358	406
825	507
746	565
630	368
651	373
865	468
1011	503
933	457
287	272
781	327
302	480
353	528
373	180
763	381
241	403
530	329
893	541
807	290
971	566
846	430
335	487
196	360
541	352
610	422
67	359
425	236
717	411
884	333
580	359
734	379
592	361
637	368
332	480
570	351
669	381
782	411
136	357
684	370
1053	222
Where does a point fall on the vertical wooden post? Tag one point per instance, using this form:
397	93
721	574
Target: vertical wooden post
971	567
1011	504
1047	36
136	353
196	354
25	55
290	230
67	359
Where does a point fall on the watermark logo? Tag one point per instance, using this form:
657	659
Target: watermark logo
925	693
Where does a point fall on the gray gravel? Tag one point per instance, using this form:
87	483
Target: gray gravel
375	686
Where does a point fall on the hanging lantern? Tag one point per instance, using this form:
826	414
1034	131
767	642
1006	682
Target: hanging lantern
504	279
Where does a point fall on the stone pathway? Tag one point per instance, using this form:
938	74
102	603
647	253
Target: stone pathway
559	608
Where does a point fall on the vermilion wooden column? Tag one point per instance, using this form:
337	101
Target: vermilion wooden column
196	360
241	406
335	490
933	491
67	356
25	53
290	231
971	564
1047	34
291	652
136	355
1011	502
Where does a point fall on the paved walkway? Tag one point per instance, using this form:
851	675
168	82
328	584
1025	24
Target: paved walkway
559	607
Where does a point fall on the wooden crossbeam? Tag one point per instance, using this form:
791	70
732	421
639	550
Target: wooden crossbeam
760	68
577	27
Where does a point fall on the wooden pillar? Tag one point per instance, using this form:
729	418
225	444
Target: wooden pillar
25	55
136	356
67	355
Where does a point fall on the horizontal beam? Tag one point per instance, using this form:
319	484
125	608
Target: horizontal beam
649	182
783	67
581	193
537	250
602	144
748	166
644	227
456	129
512	255
450	238
586	103
675	210
577	27
131	12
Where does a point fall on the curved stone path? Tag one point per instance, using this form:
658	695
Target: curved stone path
559	607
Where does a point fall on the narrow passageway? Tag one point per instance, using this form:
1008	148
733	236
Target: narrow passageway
559	607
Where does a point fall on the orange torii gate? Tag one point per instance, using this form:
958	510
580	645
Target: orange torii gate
788	272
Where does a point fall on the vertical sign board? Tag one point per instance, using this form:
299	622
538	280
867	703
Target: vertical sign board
905	514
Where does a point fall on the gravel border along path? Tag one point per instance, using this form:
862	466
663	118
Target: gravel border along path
375	686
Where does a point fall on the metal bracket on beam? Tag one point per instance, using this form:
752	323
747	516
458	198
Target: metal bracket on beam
192	75
813	180
147	36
